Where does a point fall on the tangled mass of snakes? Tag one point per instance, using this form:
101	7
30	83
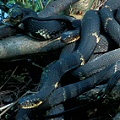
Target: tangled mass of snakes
92	56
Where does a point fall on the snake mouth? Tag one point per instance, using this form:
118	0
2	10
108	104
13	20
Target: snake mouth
28	105
70	39
28	102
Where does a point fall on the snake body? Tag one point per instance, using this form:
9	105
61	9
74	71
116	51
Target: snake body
53	74
49	95
45	28
64	93
67	92
90	67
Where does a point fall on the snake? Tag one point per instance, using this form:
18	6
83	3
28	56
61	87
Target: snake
105	43
81	87
53	27
77	59
64	93
52	75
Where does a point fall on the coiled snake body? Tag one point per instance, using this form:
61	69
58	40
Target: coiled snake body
45	28
63	65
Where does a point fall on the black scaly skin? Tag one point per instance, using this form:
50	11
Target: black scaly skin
117	15
60	107
105	45
53	74
99	62
44	30
24	114
67	92
111	83
111	74
53	27
111	26
68	49
113	4
55	110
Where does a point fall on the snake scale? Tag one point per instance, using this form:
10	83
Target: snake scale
95	71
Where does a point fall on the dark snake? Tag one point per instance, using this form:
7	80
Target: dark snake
69	62
107	64
48	28
79	56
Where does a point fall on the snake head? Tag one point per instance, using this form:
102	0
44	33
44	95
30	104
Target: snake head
30	101
15	15
18	13
70	36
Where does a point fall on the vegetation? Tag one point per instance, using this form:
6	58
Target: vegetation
36	5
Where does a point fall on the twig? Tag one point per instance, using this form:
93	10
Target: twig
6	106
90	5
9	78
36	65
9	106
102	3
